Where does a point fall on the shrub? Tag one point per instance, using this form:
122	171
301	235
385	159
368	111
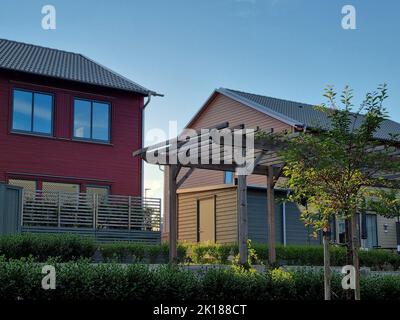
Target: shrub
43	246
294	255
21	280
137	252
205	253
123	252
380	259
69	247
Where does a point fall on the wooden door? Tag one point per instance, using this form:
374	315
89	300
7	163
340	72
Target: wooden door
206	219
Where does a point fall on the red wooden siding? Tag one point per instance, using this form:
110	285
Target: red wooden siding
62	159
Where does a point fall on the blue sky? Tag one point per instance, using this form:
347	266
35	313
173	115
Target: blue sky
184	49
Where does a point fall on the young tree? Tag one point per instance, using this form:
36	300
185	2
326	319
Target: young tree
334	167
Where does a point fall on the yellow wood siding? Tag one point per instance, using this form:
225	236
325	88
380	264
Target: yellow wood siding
225	210
386	239
222	109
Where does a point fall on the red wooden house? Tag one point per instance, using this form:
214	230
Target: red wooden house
69	124
67	121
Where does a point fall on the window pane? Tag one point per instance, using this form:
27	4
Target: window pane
372	241
228	177
97	190
100	121
42	113
26	184
22	112
82	112
60	187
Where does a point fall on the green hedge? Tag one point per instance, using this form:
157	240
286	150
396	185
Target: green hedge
67	247
136	252
21	280
294	255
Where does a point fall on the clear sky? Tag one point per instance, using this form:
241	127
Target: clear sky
186	48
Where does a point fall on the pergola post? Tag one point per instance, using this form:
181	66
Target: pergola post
173	215
271	215
242	218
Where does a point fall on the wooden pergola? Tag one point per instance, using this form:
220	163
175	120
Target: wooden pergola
263	160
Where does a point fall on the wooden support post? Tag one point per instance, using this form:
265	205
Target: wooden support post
242	219
271	216
173	216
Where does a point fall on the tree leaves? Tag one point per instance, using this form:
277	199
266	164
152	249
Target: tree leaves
332	168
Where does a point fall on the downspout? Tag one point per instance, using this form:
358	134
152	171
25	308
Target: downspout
142	162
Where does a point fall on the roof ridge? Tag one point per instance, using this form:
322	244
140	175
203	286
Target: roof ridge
260	107
280	99
39	46
354	113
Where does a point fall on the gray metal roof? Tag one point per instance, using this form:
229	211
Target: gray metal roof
23	57
301	113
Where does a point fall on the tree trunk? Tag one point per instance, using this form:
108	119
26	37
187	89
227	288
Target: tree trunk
349	251
355	248
327	267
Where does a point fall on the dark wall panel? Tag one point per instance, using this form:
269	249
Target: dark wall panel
296	231
257	212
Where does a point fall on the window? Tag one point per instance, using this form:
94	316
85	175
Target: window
60	187
228	177
372	240
91	120
102	191
28	185
32	112
341	231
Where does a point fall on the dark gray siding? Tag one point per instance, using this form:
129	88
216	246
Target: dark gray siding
296	232
10	209
257	212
